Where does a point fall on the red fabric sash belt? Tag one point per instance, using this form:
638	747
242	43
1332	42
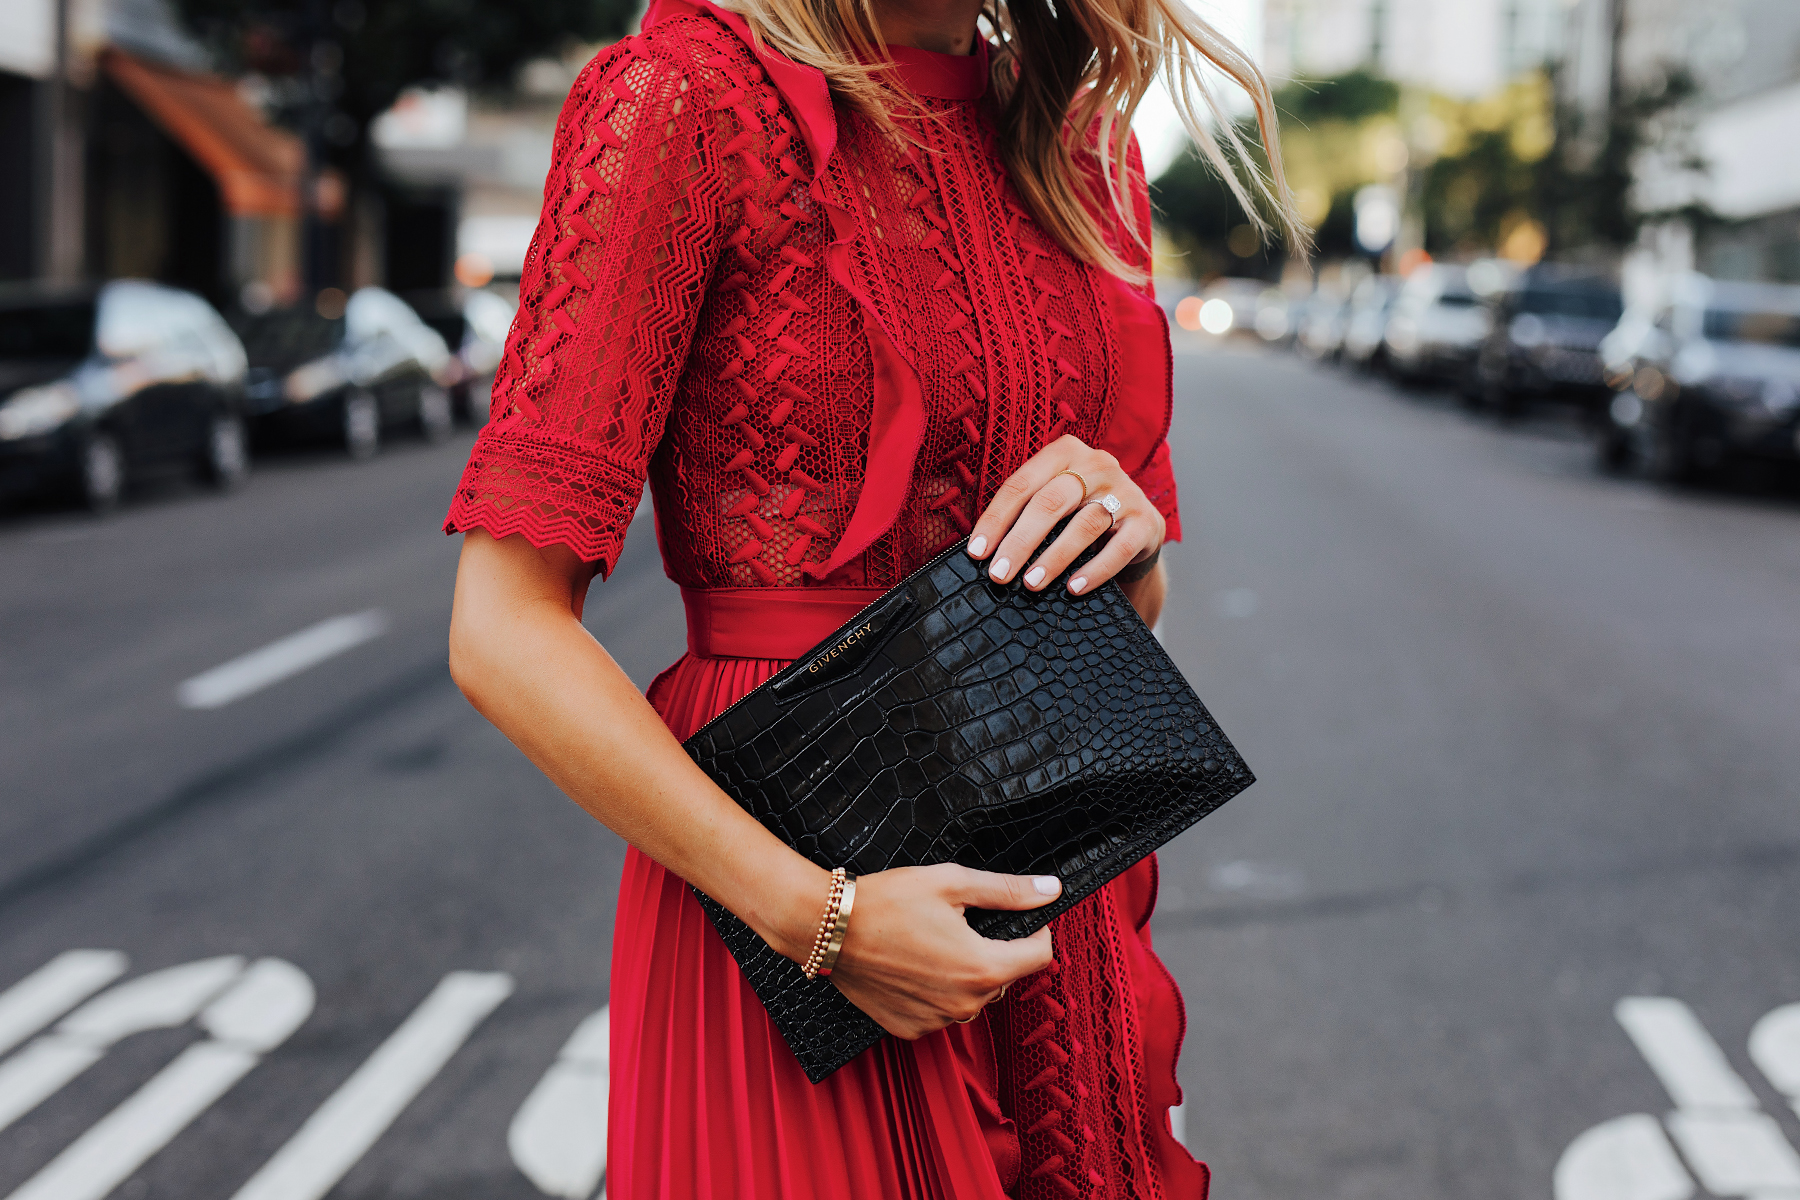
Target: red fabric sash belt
780	623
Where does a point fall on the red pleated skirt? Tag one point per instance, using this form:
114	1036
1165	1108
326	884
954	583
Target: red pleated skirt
1061	1090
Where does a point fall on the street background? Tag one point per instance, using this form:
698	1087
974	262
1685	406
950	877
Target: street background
1510	912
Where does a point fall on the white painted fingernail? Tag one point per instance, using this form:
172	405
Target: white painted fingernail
1000	568
1077	583
1047	885
1034	576
977	546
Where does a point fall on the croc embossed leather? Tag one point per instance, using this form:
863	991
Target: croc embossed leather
960	720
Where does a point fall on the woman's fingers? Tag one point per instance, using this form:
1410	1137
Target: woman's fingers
1022	485
990	889
1132	538
1056	499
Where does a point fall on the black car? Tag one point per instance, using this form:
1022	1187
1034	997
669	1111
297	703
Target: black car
346	371
1545	342
101	386
1712	377
474	327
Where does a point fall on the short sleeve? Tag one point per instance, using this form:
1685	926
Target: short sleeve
1157	478
609	299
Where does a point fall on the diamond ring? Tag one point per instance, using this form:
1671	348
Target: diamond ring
1111	504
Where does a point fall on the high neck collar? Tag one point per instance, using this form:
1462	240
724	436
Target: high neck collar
942	76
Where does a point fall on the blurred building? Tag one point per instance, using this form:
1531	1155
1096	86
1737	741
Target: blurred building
1744	56
1461	48
134	160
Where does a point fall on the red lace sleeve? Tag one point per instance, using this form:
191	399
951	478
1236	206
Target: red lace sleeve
612	289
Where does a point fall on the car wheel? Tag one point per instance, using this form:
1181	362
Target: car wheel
362	425
1614	453
227	457
436	416
102	478
1673	457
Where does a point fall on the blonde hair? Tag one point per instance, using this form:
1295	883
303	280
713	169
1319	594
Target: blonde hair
1062	68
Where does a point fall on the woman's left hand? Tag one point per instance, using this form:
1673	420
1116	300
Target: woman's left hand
1045	490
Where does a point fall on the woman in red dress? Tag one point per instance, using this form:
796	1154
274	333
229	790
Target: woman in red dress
846	284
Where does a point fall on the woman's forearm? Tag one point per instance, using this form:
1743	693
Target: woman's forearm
519	653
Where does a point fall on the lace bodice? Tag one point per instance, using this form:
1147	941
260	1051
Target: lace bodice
824	345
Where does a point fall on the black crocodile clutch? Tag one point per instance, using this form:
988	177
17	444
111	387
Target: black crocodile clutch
960	720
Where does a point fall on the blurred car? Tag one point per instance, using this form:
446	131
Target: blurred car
475	329
1545	341
347	379
1436	327
1229	306
1711	377
1319	334
1365	321
100	386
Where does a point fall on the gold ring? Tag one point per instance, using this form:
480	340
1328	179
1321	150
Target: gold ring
1078	479
1002	994
977	1014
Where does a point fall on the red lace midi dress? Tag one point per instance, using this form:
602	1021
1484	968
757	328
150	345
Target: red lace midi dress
825	347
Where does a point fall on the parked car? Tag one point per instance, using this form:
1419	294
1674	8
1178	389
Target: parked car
349	379
1436	327
1365	321
1320	332
1230	305
475	329
1545	341
102	386
1711	377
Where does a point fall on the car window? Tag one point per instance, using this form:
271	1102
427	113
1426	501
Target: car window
372	312
55	330
137	318
1594	304
1765	328
289	337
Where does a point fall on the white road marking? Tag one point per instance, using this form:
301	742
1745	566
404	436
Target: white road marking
359	1112
1736	1153
52	990
1683	1055
1775	1049
558	1136
160	1000
260	1010
1627	1158
278	660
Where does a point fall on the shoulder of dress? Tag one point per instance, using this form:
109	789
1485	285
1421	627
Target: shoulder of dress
693	45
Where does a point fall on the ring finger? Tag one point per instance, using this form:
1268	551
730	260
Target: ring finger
1051	503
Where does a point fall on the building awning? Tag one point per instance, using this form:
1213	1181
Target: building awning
258	168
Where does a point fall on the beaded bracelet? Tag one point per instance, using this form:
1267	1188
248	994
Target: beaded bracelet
828	942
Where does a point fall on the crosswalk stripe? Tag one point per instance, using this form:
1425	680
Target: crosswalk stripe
278	660
558	1137
52	990
343	1129
106	1155
1689	1063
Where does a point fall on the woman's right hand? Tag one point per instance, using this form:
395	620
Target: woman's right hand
910	959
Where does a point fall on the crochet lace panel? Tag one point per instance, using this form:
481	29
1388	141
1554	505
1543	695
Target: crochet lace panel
677	320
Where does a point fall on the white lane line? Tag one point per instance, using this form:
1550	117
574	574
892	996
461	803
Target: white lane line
1684	1056
343	1128
278	660
558	1136
106	1155
160	1000
52	990
1626	1158
257	1013
1775	1049
1736	1153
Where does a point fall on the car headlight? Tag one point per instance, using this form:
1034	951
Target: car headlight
314	379
36	410
1781	395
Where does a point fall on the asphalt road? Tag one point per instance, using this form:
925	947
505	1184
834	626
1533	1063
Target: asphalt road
1526	740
